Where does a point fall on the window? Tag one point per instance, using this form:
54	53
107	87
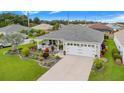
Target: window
89	45
93	46
77	44
85	45
71	44
74	44
81	44
68	44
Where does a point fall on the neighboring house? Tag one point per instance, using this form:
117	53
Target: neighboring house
76	40
14	28
45	27
114	26
119	41
108	31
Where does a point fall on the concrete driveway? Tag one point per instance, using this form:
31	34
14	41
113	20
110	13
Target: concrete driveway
69	68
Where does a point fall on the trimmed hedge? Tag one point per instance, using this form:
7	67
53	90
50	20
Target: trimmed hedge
116	54
32	46
98	63
25	51
115	51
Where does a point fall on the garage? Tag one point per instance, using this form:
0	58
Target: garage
80	49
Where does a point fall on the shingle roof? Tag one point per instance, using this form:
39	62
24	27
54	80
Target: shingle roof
101	27
76	33
43	26
114	26
13	28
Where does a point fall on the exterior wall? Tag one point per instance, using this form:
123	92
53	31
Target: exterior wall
96	49
120	47
97	46
123	56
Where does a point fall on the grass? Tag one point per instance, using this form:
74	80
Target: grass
112	71
12	68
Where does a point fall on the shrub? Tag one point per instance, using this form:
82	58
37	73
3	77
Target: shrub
34	57
46	32
40	50
57	57
46	55
115	51
46	50
30	34
25	51
40	54
41	59
23	31
98	63
116	56
42	32
32	46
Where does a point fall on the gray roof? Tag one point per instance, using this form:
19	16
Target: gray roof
43	26
13	28
76	33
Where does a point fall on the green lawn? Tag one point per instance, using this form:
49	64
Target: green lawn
112	71
13	68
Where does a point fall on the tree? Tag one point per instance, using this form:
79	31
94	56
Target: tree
37	20
13	39
56	26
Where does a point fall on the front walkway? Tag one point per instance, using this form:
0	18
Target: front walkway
70	68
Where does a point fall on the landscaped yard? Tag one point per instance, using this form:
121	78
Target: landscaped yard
112	71
14	68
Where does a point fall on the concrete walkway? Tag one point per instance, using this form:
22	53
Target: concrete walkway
70	68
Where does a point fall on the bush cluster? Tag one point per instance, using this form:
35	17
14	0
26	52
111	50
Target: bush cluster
116	54
98	63
26	51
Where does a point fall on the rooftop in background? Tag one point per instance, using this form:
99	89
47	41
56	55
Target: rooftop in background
43	27
114	26
13	28
101	27
75	33
120	36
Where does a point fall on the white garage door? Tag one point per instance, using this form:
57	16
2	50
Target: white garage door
81	51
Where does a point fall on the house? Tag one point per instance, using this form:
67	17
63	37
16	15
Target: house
114	26
119	41
42	26
14	28
108	31
75	40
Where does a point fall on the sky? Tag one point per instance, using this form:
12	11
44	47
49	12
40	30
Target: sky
102	16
